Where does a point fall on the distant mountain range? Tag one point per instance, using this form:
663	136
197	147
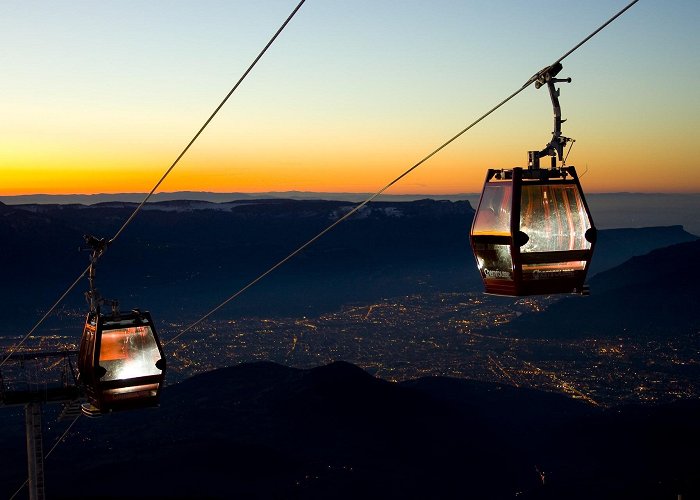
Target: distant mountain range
610	210
183	257
615	246
91	199
262	430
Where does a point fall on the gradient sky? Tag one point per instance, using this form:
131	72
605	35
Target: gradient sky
101	97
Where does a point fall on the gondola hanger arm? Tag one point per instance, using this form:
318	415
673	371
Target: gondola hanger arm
555	147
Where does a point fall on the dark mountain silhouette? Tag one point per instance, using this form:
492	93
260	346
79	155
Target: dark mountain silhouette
618	245
186	256
653	294
90	199
181	257
37	259
610	210
266	431
262	430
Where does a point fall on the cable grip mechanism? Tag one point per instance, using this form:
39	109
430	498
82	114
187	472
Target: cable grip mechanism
555	147
96	247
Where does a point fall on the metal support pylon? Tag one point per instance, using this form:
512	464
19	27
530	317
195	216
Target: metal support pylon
35	452
32	379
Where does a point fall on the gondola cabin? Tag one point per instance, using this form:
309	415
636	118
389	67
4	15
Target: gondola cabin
121	361
532	232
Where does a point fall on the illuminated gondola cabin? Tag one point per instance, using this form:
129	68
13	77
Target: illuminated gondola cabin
121	361
532	232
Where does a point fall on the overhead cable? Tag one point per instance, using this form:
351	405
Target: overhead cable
595	32
43	318
199	132
58	441
346	216
160	181
397	179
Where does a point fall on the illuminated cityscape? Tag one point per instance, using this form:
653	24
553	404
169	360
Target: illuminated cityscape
456	335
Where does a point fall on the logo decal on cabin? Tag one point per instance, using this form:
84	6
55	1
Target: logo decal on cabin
497	274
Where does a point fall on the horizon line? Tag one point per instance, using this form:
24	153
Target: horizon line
300	192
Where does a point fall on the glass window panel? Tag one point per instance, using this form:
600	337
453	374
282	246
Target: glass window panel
129	352
554	218
494	261
493	217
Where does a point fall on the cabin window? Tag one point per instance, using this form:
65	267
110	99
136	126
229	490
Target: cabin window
494	261
493	217
554	218
129	353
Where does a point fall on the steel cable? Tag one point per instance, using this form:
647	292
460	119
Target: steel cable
55	445
319	235
160	181
397	179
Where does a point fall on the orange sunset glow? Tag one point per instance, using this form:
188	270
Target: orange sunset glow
334	112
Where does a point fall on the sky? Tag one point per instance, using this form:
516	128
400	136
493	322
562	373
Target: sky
101	97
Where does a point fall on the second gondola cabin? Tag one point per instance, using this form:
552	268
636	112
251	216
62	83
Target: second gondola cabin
121	361
532	232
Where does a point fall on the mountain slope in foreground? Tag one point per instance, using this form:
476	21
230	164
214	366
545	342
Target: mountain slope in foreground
263	430
653	295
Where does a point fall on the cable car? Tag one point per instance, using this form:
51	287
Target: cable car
532	231
532	235
121	361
